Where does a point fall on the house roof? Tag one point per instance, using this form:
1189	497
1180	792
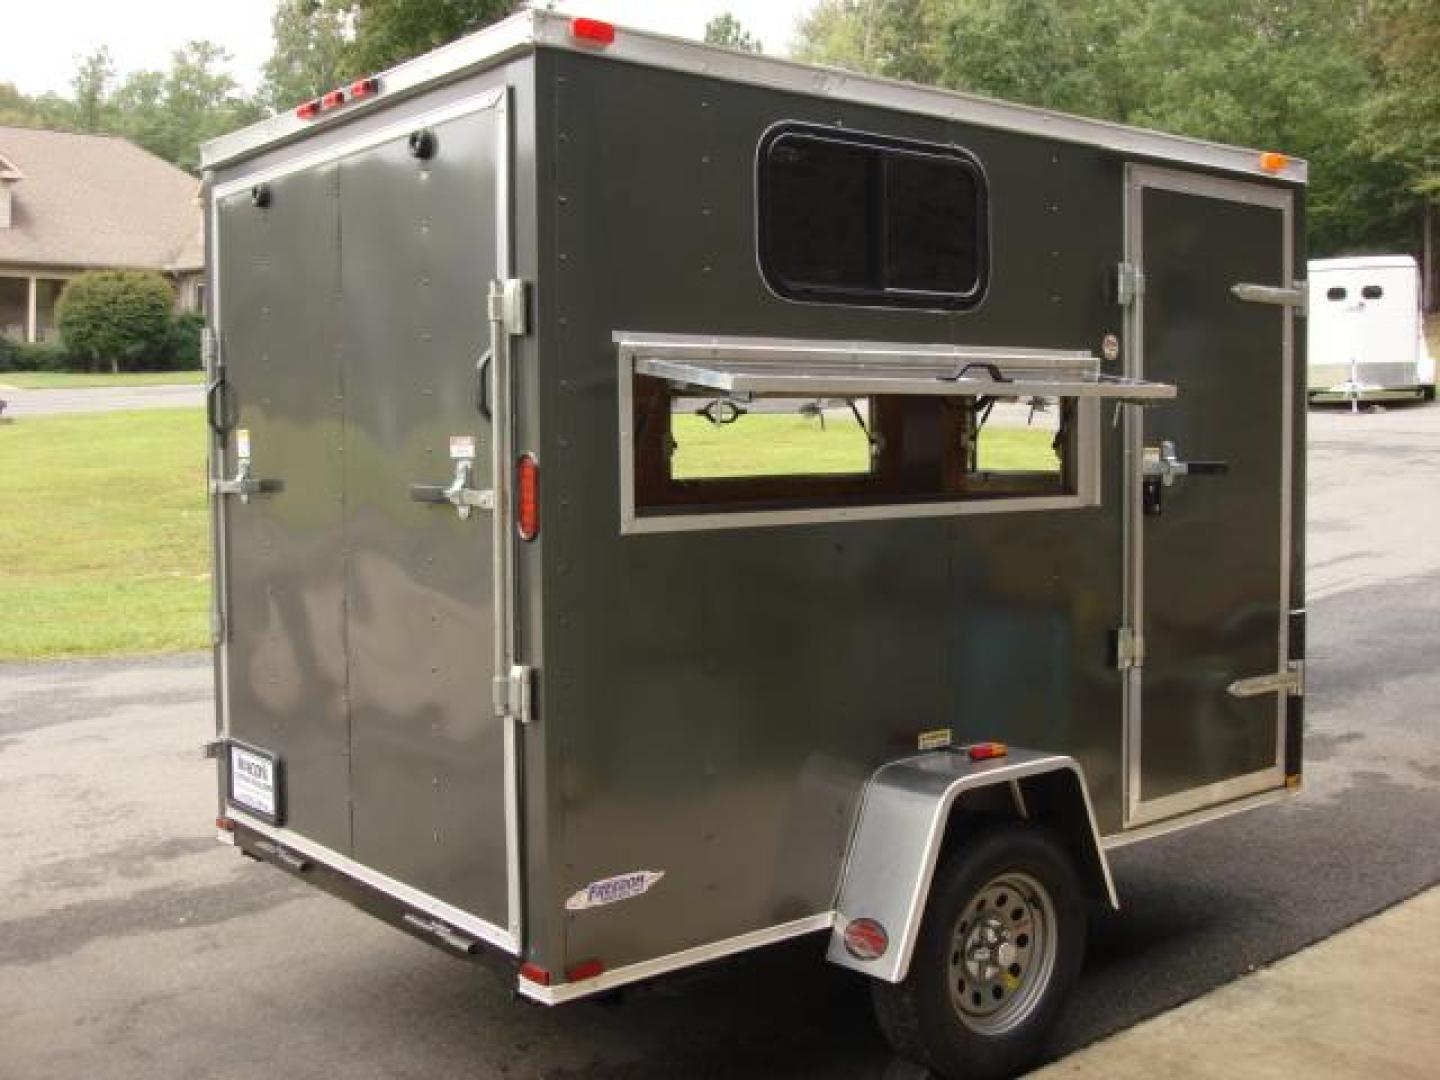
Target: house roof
96	201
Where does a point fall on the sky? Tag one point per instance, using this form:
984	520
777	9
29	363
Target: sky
42	39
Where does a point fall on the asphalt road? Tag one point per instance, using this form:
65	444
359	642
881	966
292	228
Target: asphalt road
133	946
86	399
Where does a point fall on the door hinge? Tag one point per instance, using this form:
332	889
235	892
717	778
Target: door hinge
513	693
217	626
508	306
1129	649
1129	283
209	349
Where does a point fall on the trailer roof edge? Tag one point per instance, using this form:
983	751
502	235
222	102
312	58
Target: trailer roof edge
532	28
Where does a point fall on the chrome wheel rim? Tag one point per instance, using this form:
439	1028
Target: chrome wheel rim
1002	953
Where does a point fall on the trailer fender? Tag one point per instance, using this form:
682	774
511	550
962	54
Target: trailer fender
902	829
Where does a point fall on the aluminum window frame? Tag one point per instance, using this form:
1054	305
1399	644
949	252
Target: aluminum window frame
876	295
658	349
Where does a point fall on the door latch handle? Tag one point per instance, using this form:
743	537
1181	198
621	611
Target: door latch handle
458	494
1162	467
245	485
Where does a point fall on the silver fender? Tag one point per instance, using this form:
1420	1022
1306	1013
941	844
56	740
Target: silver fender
898	836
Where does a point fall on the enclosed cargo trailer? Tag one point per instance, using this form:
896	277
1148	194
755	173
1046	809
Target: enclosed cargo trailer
669	501
1366	330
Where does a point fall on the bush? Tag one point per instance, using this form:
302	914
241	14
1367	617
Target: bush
183	352
37	356
119	318
7	354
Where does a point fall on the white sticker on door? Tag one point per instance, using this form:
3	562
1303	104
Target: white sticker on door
462	446
612	889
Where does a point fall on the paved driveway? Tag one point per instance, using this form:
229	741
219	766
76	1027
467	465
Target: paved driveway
133	946
99	399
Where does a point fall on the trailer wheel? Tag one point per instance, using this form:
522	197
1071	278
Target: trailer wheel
999	950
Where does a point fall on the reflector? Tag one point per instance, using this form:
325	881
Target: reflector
535	973
866	939
586	969
986	750
527	497
333	98
308	110
601	33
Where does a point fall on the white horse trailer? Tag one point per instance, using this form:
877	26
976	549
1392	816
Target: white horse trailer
1367	336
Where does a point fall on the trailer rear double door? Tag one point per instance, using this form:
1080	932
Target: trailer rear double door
360	622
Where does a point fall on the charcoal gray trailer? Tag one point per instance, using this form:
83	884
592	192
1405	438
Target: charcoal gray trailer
668	501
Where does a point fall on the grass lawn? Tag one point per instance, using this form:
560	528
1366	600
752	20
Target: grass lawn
103	517
769	444
64	380
103	534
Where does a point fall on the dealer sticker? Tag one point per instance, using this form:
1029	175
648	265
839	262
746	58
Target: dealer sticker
613	889
935	739
252	781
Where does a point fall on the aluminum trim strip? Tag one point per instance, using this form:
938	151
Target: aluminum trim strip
526	30
911	380
396	890
490	99
556	995
1198	817
484	48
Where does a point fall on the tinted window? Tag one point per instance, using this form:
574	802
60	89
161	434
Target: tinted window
1372	292
1335	293
853	218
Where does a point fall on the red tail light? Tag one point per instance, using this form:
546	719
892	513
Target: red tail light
592	30
333	98
986	750
527	497
224	824
361	88
309	110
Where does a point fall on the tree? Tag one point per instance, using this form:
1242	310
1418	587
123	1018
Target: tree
726	30
1402	120
119	317
1290	75
91	86
171	113
309	56
389	31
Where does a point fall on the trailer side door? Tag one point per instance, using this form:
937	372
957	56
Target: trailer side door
1209	480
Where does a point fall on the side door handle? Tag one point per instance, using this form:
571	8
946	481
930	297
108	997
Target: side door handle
245	485
1161	468
458	493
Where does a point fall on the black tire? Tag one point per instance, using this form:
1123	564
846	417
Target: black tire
921	1018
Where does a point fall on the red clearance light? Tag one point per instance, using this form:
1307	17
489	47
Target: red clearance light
364	87
586	969
309	110
527	497
592	30
535	973
333	98
224	824
866	939
985	751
